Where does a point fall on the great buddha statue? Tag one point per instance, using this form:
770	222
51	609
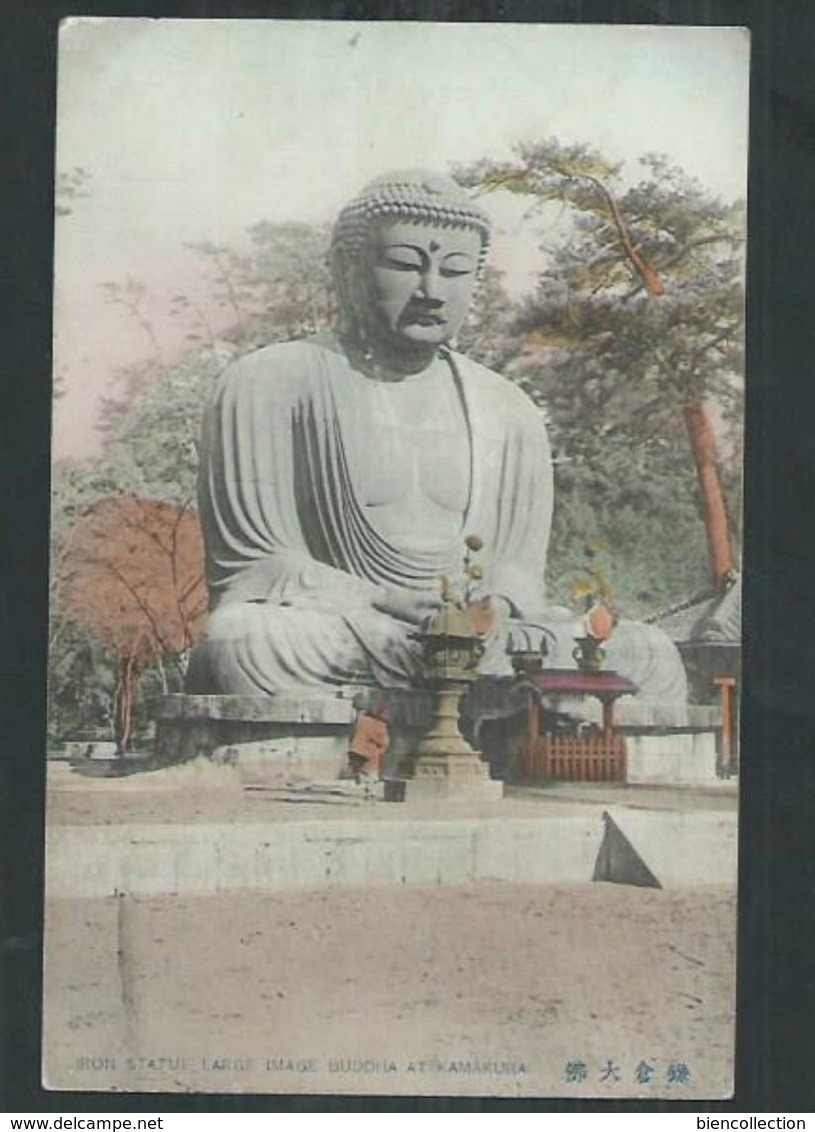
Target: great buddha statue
341	474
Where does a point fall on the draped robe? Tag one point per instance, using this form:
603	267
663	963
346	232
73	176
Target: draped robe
295	560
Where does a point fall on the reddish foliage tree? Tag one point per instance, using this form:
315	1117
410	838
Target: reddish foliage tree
135	581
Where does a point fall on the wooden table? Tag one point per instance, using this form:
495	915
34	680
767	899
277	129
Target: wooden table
582	754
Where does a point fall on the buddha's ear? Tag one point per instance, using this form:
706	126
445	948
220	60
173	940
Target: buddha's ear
352	286
340	274
337	266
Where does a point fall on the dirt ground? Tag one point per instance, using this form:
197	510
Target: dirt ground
489	989
201	792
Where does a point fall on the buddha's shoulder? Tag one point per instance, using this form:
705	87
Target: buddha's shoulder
282	371
503	396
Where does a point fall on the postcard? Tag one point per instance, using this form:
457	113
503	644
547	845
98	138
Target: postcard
395	584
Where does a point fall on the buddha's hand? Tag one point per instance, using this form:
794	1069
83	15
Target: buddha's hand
411	606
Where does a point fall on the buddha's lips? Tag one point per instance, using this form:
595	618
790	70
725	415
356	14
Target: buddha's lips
424	318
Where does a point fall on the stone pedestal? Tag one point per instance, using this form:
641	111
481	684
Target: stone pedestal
453	777
679	759
446	766
273	740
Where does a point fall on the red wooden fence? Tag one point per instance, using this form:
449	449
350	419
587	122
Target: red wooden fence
574	758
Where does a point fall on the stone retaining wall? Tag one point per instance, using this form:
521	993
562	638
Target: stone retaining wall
694	847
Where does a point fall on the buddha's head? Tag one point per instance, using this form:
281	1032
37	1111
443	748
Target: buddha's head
405	255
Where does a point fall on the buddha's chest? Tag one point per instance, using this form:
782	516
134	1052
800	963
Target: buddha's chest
412	452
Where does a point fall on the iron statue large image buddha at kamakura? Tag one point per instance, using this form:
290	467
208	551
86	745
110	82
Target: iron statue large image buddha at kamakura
341	474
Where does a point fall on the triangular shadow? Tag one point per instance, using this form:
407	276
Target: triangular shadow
618	861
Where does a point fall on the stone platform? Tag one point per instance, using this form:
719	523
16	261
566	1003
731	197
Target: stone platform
304	737
271	737
274	740
683	758
545	836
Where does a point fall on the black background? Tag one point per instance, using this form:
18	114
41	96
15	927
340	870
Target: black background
776	997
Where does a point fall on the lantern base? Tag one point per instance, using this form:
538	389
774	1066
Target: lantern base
453	777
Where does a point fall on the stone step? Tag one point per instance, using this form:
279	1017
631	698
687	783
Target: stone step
687	847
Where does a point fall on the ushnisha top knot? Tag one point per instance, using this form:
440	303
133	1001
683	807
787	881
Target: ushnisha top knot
413	195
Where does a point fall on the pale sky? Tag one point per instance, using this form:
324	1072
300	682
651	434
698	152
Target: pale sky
194	130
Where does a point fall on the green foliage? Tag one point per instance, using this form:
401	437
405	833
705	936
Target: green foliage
155	447
638	312
642	504
489	335
278	292
80	675
80	685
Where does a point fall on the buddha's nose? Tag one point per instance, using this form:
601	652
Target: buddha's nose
429	284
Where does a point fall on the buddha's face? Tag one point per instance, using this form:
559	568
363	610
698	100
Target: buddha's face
422	280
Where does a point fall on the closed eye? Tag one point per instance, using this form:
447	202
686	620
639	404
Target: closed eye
457	263
400	265
453	272
402	258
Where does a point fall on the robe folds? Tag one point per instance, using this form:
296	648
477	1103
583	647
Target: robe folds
295	560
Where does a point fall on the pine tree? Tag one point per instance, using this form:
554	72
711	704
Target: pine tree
633	334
